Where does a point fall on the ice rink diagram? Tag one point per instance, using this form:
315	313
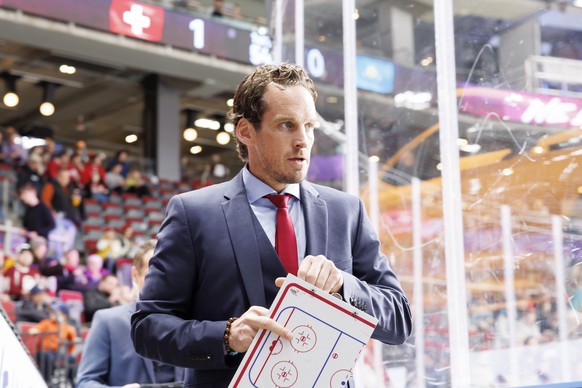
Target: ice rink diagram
329	335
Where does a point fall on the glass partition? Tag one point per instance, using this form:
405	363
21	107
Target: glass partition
519	107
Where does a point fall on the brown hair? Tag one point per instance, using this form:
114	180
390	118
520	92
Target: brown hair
144	248
248	98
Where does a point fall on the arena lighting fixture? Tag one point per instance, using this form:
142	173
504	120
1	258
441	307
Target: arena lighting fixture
190	133
207	124
196	149
229	127
47	107
66	69
131	138
230	102
222	138
10	98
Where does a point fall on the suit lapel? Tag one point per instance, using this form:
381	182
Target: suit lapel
315	213
239	219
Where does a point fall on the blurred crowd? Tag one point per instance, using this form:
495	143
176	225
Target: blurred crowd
52	280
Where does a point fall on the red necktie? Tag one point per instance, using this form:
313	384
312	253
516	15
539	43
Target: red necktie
285	242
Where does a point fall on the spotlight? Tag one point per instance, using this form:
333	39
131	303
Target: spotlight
190	133
10	98
196	149
207	123
222	138
47	107
131	138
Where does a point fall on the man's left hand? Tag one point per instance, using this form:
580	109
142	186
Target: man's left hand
320	272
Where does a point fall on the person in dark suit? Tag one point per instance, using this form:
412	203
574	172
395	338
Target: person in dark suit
108	357
216	256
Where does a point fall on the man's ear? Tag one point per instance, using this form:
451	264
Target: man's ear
245	131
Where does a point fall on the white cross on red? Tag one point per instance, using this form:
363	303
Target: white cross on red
136	19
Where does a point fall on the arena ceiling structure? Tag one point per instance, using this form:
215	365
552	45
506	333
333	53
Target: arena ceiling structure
102	101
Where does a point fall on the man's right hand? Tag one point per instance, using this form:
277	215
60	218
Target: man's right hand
245	328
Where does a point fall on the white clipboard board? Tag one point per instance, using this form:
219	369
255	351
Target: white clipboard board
329	335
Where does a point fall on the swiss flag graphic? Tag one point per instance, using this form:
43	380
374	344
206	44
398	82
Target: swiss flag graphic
139	20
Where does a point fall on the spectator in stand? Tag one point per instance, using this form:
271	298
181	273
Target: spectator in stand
59	162
236	11
32	173
96	189
73	276
128	241
114	180
107	294
12	149
37	151
65	202
63	198
216	171
109	358
4	265
112	247
218	10
82	150
47	265
22	276
76	167
135	184
527	328
94	271
120	158
93	166
35	306
38	219
57	338
50	150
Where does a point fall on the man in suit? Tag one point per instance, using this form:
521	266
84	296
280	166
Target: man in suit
108	357
216	258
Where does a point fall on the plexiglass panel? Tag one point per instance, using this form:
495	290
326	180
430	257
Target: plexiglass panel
519	106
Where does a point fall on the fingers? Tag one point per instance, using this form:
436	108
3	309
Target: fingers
245	328
321	272
279	282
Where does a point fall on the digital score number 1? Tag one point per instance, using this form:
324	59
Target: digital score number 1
197	28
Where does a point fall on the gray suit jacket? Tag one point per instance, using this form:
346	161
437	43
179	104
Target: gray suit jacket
208	266
109	358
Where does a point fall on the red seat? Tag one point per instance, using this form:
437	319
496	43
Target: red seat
10	309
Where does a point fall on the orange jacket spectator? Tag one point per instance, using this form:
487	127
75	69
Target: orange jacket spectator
51	336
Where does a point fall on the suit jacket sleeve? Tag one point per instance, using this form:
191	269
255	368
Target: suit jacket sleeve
373	287
94	368
161	327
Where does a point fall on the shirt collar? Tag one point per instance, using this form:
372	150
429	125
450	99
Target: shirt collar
257	189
